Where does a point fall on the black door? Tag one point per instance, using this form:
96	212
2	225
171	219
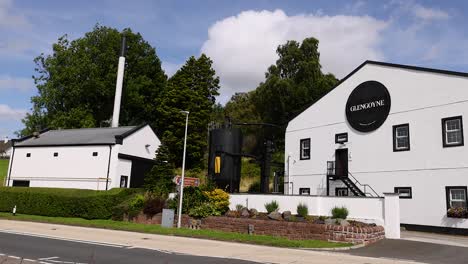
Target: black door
341	162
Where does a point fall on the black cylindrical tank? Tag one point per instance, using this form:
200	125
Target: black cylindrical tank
224	162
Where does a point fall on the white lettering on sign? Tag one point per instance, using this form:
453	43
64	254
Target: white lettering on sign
369	105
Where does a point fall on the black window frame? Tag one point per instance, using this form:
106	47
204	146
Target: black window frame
341	189
447	194
55	154
95	154
301	149
126	181
15	183
28	155
341	134
395	127
395	190
302	189
444	131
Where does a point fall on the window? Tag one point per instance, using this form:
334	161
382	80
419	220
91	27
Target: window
456	196
404	192
55	154
17	183
341	138
341	192
123	181
305	149
452	131
304	191
401	137
95	154
28	155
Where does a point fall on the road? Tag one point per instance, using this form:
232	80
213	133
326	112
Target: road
15	247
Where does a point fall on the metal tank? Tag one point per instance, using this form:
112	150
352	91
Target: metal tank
224	162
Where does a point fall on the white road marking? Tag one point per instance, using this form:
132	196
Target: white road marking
15	257
64	239
30	260
48	258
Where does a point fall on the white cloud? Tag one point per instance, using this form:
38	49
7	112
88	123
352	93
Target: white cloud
170	68
243	46
8	113
8	17
426	13
21	84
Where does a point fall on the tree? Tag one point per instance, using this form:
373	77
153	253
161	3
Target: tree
76	83
159	179
294	83
192	88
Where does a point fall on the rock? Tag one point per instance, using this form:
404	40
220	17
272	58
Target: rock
330	221
232	213
245	213
343	222
275	215
253	213
287	215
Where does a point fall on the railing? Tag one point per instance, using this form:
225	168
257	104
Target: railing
365	186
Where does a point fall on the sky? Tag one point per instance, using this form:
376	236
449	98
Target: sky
240	37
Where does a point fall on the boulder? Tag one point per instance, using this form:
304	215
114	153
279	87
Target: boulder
287	215
330	221
275	215
253	213
245	213
343	222
231	213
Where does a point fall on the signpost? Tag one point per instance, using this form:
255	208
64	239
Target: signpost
195	182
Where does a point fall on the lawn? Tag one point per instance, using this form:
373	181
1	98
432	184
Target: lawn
183	232
3	170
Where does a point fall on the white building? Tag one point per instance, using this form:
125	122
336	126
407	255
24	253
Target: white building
387	128
87	158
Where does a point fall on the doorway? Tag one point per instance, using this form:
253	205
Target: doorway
341	162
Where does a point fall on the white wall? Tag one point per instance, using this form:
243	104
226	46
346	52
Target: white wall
124	168
75	167
135	144
419	98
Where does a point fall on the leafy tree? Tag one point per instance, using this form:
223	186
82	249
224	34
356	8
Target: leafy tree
192	88
292	84
159	179
76	83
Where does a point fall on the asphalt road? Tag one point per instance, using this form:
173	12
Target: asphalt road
415	251
53	251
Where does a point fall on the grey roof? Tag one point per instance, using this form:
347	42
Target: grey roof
81	136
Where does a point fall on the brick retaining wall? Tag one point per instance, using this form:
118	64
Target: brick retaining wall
296	230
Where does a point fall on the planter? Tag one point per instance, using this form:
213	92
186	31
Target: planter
457	212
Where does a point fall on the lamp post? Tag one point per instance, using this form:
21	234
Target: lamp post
181	194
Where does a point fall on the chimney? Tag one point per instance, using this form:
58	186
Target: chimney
36	134
5	140
118	85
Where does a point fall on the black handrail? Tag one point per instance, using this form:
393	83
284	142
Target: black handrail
364	185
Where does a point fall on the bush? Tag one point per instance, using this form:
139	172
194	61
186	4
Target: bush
153	205
219	199
339	212
193	197
302	210
254	187
272	206
57	202
239	207
204	210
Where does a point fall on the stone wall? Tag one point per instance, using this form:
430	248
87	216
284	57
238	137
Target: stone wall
295	230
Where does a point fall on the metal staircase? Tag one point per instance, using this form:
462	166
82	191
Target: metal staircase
357	188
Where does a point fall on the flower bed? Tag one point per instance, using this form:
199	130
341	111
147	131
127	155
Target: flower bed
457	212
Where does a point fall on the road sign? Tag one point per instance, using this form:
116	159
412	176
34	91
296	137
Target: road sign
187	181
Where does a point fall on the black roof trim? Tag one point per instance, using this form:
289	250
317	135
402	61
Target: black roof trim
119	138
131	157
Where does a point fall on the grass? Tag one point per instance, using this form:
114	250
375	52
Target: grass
183	232
3	170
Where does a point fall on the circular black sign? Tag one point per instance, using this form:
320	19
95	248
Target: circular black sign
368	106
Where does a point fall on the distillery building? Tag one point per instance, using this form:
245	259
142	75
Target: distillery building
387	128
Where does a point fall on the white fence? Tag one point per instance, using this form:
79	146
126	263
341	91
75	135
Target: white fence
381	211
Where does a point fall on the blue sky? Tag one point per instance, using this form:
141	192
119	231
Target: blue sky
240	36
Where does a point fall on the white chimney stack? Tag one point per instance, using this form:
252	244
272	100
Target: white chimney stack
5	140
118	86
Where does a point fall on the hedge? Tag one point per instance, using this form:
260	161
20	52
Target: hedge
55	202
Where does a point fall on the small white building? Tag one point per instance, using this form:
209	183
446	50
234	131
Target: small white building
87	158
387	128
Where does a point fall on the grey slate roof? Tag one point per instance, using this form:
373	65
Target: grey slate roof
82	136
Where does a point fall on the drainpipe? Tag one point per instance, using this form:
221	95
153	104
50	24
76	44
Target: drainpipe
108	167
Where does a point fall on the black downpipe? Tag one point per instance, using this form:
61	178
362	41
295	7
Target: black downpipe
108	167
11	164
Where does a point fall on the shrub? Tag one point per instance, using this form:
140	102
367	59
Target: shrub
219	199
339	212
272	206
193	197
302	210
239	207
57	202
457	212
153	205
204	210
254	187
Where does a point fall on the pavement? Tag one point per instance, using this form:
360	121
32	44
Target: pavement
22	239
